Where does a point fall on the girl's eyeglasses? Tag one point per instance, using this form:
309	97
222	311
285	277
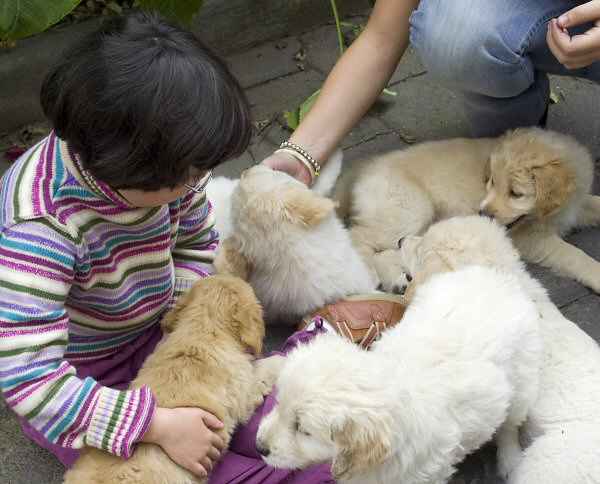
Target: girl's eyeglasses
200	186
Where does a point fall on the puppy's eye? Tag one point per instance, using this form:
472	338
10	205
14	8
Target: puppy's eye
515	194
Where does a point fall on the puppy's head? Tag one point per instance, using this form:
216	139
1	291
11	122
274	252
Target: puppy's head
324	413
268	200
219	304
529	177
456	243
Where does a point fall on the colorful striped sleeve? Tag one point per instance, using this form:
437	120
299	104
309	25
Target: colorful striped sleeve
197	241
37	267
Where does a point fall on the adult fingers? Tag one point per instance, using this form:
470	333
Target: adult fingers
588	12
573	52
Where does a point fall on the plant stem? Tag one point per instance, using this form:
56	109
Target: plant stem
337	25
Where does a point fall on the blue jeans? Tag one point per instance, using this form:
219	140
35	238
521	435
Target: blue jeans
494	53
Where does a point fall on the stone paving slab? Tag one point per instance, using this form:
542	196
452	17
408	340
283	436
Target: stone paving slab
586	313
577	111
322	51
562	290
265	62
423	110
281	94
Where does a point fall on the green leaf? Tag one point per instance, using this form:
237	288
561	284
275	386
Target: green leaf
295	117
307	105
22	18
292	118
115	7
181	10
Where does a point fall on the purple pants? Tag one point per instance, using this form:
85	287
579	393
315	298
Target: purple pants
241	463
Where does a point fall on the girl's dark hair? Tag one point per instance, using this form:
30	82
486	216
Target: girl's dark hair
141	101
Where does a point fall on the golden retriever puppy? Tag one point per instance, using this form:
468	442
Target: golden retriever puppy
536	183
206	361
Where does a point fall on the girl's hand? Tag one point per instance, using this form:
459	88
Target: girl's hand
580	50
289	165
187	436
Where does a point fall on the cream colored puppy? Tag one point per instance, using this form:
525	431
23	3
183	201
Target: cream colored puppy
287	241
536	183
462	366
563	427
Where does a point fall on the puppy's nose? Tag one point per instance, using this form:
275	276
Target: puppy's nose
484	213
408	277
262	450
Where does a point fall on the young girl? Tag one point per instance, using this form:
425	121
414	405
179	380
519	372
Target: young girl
103	224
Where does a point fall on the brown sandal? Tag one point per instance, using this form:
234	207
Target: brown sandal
361	318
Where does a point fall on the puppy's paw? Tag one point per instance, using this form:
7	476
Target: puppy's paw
266	372
391	273
508	457
397	285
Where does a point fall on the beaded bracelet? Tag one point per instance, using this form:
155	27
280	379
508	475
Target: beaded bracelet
305	156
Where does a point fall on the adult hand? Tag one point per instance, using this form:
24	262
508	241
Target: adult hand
580	50
187	436
290	165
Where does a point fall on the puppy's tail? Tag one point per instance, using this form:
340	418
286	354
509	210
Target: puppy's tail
329	174
566	455
219	192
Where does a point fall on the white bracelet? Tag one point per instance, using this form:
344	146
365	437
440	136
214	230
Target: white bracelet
297	156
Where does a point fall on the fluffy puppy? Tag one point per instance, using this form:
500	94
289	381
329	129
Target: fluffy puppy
562	431
462	366
220	189
206	361
537	183
287	241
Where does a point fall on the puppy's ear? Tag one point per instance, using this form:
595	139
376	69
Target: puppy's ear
231	261
250	325
487	170
304	207
431	262
554	183
361	446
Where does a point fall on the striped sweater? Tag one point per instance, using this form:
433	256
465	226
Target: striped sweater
82	274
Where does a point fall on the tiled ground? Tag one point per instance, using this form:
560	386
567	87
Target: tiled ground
277	78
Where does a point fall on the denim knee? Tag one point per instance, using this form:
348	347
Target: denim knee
465	44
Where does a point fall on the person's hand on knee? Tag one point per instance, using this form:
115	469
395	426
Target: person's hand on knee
580	50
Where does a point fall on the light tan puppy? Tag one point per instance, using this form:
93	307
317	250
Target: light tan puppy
536	183
288	243
206	361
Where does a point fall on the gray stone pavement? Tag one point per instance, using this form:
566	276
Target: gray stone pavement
277	78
